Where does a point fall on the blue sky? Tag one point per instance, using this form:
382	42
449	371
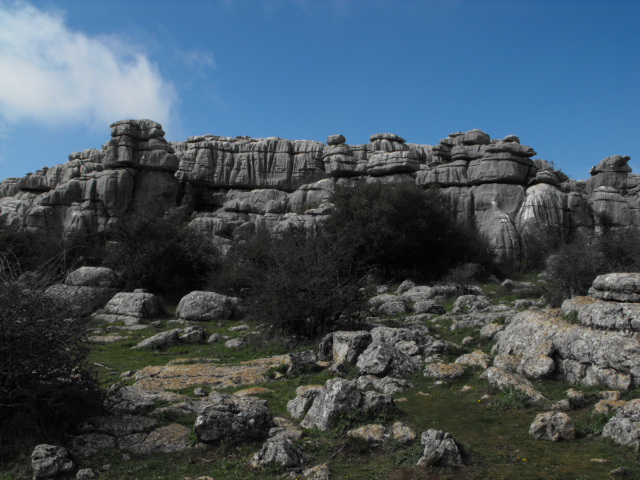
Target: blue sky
563	75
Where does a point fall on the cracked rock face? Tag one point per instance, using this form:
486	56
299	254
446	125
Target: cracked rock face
242	184
583	355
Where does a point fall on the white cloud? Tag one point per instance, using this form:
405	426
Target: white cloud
53	75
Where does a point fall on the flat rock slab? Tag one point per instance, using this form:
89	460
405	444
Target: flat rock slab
177	377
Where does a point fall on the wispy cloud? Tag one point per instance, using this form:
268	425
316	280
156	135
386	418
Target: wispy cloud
51	74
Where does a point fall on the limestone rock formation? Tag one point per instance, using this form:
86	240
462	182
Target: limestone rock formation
233	186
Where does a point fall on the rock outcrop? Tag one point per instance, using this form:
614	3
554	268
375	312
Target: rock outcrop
232	186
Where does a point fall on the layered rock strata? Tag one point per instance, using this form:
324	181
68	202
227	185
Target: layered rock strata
232	186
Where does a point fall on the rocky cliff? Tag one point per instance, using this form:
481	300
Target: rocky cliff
230	186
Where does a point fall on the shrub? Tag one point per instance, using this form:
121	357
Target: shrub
403	229
46	384
160	253
301	283
575	265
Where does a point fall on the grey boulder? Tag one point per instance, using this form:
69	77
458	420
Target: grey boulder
92	277
229	416
50	461
440	449
552	426
207	306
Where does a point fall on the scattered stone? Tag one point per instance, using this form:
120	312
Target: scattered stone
319	472
137	305
624	427
87	474
208	306
607	407
228	416
92	277
278	451
509	363
235	343
239	328
344	347
552	426
490	330
50	461
502	379
199	392
161	340
387	385
577	398
440	449
430	307
405	286
444	371
477	358
538	366
468	341
216	337
402	433
370	433
250	392
561	405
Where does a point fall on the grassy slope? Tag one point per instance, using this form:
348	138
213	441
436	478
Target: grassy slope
495	441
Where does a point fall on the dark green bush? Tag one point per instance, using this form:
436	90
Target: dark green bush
403	230
46	384
575	265
160	253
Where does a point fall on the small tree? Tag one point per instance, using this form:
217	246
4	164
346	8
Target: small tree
301	283
161	253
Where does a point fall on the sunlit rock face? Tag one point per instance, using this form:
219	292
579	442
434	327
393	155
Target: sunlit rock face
233	186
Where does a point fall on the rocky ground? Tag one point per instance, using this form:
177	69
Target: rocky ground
440	383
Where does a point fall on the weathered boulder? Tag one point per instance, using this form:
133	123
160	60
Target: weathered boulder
278	451
340	396
502	379
594	313
305	395
620	287
440	449
624	427
50	461
552	426
444	371
133	304
88	299
387	385
336	397
229	416
92	277
477	358
583	355
343	346
207	306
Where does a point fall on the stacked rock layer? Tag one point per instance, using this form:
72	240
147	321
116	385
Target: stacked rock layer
231	186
